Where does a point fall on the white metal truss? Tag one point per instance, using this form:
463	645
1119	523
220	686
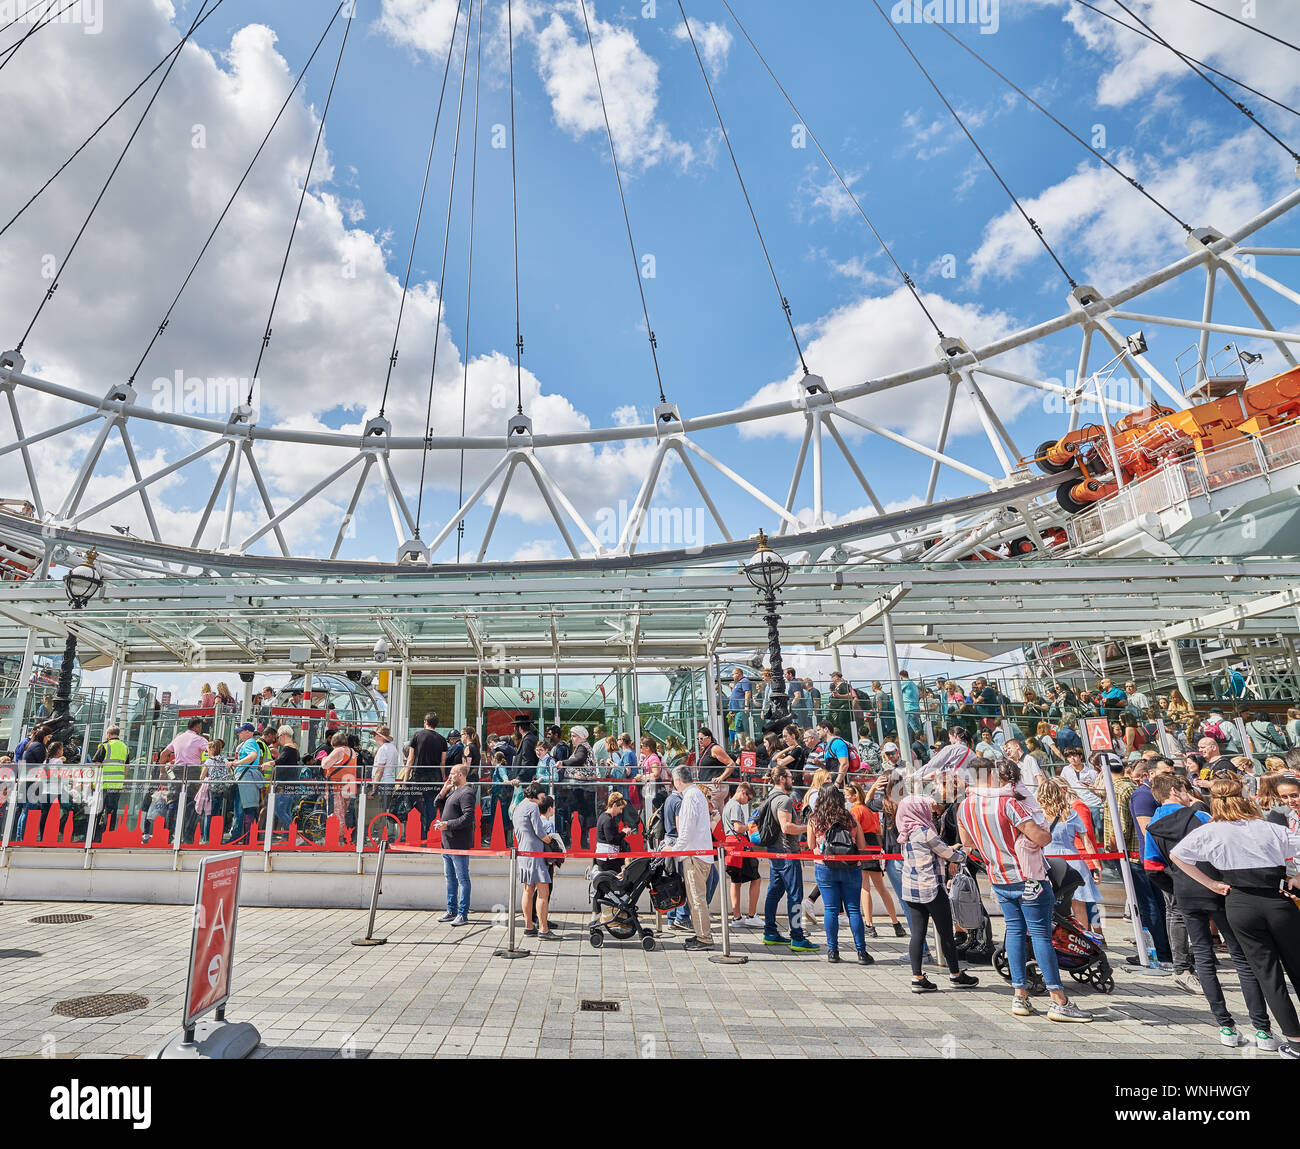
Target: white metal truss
63	518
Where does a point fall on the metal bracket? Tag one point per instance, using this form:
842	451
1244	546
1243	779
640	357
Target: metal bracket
519	431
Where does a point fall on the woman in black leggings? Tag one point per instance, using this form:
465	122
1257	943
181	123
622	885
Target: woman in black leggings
1243	856
924	891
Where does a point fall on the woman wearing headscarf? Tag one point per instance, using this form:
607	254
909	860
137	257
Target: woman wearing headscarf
925	858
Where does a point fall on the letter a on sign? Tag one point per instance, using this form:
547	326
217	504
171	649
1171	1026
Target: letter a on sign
1098	732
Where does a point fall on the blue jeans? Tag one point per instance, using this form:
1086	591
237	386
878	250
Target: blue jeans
784	878
682	913
1033	918
841	888
1151	908
455	868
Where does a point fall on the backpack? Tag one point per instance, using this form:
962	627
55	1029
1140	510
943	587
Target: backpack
655	829
770	837
967	905
838	842
1214	730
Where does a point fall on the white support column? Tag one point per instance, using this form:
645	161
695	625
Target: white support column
24	689
1180	675
246	702
896	689
711	716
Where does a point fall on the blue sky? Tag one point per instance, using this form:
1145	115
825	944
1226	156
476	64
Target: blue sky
721	336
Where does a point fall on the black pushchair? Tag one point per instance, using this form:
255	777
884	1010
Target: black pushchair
614	899
1078	952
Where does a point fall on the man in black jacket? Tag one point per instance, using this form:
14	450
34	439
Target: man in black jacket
1178	814
526	756
455	804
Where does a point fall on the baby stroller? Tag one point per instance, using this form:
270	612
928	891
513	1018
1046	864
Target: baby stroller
1077	951
614	899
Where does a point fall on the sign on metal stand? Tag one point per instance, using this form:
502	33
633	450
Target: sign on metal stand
208	981
1098	739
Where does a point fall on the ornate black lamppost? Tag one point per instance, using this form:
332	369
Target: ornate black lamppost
767	572
81	584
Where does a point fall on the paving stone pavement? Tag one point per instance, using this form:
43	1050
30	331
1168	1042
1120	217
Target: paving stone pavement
437	991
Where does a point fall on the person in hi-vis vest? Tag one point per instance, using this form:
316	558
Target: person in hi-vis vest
113	755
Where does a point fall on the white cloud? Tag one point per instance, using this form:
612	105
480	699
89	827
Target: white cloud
424	25
333	326
817	194
629	77
1108	233
876	336
713	41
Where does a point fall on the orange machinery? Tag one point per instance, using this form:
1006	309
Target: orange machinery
1145	440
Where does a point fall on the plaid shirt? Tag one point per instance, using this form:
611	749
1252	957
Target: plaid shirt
1124	788
924	857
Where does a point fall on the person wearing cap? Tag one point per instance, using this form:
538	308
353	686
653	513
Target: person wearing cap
383	774
248	778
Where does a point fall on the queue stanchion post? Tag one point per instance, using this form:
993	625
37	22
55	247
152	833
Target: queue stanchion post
179	826
726	957
510	951
370	939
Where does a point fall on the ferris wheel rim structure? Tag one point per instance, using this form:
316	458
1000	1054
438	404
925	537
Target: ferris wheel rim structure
1009	500
1089	310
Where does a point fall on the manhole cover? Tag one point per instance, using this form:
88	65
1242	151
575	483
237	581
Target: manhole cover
590	1006
60	919
100	1005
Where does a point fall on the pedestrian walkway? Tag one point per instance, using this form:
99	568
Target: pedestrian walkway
438	991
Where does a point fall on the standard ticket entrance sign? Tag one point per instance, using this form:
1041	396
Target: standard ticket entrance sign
1097	734
212	943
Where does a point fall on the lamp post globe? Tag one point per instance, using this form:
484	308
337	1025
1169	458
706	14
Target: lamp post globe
767	572
80	584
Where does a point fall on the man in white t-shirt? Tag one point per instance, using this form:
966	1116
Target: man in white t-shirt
1030	772
384	772
694	832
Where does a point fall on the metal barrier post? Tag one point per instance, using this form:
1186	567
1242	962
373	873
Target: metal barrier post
510	951
270	828
360	832
370	939
726	957
179	827
11	810
92	813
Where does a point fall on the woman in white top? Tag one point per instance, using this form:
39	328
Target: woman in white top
1243	856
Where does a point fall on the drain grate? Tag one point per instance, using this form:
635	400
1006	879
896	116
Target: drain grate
100	1005
60	919
590	1005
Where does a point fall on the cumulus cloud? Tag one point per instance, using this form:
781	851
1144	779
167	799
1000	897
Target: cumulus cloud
325	365
713	41
877	335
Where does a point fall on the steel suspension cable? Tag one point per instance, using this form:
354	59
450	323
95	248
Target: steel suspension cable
1065	128
419	214
469	274
903	275
785	303
306	183
514	214
11	50
166	319
442	273
627	222
1200	63
104	123
1245	111
63	265
1038	231
1252	27
24	13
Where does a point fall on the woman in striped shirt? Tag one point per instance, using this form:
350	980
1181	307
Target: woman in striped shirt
1009	831
925	858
